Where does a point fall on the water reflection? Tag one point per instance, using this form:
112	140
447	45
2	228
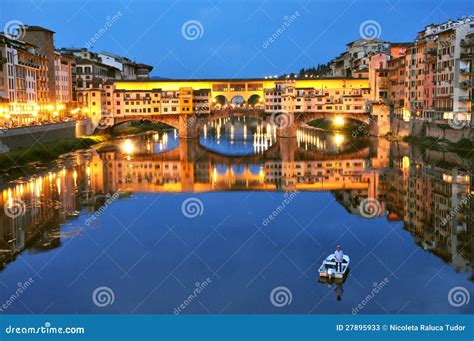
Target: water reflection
238	136
426	190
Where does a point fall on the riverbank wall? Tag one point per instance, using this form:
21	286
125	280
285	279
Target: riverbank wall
23	137
420	128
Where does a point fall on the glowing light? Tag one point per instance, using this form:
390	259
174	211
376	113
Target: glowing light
406	162
74	176
339	121
338	139
128	147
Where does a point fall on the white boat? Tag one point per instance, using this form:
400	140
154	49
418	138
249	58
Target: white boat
328	268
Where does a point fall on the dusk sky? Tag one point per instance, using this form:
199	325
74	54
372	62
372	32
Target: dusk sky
233	41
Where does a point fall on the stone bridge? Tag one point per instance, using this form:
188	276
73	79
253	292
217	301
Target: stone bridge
287	123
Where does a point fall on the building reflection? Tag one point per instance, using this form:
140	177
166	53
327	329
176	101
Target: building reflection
419	189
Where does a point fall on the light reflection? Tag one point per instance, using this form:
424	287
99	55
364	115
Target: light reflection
128	147
338	139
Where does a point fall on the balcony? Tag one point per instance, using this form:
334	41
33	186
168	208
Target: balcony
431	50
467	42
465	84
467	55
464	99
465	71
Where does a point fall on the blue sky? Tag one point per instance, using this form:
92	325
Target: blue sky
231	42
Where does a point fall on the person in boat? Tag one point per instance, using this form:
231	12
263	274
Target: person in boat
338	256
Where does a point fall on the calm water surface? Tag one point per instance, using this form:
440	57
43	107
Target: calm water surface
217	225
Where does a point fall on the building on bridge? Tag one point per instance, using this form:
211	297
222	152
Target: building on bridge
165	100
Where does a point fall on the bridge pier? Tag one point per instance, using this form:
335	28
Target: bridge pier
288	147
285	123
187	157
187	127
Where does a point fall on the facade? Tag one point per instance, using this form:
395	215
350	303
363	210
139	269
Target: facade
43	39
20	69
354	62
94	69
286	96
439	72
36	82
65	87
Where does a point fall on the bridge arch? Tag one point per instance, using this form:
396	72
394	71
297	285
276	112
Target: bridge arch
170	120
237	101
254	100
220	101
332	116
